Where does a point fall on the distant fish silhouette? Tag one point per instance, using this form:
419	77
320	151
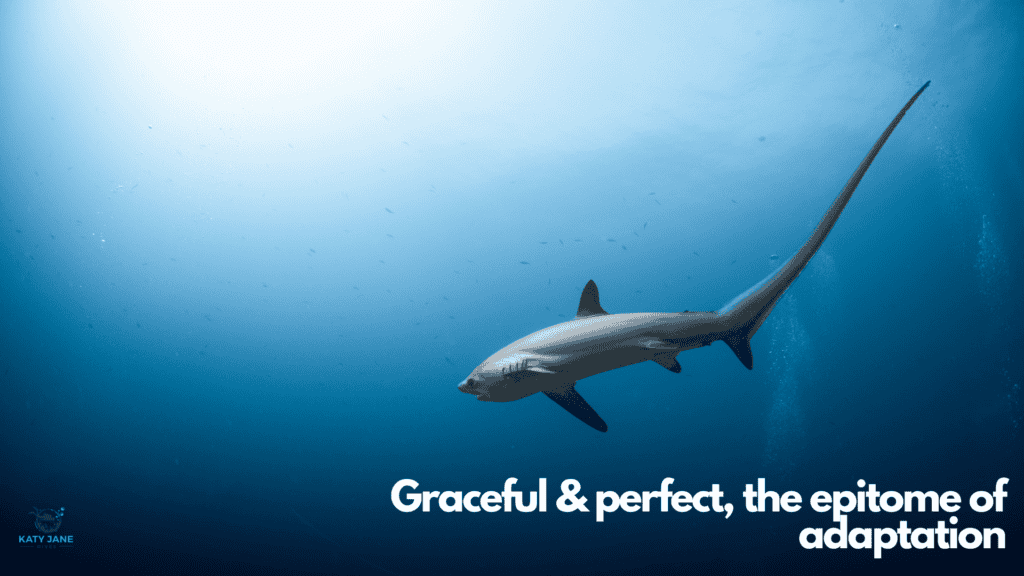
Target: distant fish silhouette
388	210
523	262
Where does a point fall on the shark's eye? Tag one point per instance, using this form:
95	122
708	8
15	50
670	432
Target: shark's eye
470	382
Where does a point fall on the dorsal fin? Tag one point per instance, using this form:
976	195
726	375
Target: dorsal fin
590	302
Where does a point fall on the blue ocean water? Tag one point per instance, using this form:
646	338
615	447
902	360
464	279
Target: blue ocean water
250	251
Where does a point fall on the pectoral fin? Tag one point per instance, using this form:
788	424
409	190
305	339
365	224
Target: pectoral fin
668	360
567	397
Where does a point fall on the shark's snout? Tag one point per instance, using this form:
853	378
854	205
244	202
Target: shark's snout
468	386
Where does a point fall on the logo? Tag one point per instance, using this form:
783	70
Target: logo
47	521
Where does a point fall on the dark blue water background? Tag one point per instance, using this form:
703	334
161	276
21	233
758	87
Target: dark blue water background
247	256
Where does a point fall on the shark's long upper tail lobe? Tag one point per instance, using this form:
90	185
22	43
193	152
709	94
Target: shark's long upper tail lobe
745	314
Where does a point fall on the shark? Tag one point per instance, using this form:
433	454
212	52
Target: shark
554	359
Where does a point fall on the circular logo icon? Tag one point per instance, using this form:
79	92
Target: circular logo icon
48	520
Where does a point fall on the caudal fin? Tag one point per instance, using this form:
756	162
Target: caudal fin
749	310
740	345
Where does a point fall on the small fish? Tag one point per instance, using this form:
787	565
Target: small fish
390	236
523	262
560	242
611	239
773	257
313	251
695	253
388	210
645	225
623	246
543	242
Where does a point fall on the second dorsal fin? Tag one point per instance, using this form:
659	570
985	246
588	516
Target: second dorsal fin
590	302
